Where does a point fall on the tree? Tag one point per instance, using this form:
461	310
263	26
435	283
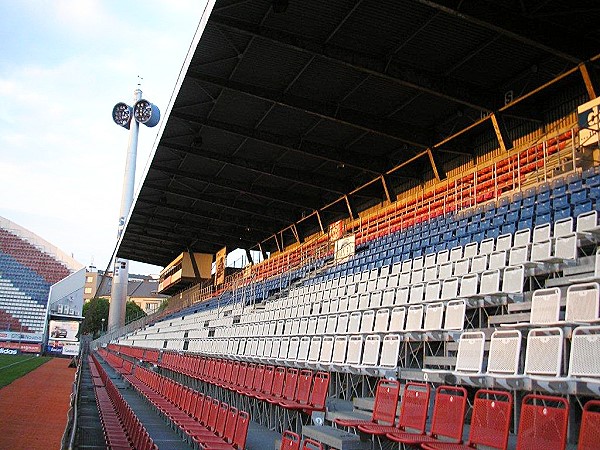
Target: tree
97	309
133	312
94	311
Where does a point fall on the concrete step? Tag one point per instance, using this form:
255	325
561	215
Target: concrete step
335	438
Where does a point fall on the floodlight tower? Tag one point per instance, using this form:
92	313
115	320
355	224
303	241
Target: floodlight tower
147	113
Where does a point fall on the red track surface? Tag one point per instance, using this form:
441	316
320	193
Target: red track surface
33	409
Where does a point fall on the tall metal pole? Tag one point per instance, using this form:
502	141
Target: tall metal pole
118	296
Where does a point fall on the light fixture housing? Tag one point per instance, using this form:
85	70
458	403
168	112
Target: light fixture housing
146	113
122	114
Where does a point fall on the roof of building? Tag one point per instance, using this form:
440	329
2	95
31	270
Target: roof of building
294	114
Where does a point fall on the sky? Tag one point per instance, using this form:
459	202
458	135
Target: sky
64	64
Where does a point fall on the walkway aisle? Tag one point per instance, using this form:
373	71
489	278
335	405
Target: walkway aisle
33	409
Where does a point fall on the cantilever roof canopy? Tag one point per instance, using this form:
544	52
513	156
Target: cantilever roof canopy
294	114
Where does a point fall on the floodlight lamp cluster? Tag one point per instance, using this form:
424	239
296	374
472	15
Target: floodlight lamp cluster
143	112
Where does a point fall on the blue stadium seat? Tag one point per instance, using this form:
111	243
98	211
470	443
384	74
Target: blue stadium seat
578	196
508	227
525	223
575	182
515	205
492	233
582	208
498	221
594	192
502	206
526	212
512	216
562	213
560	202
473	227
543	207
529	201
593	180
559	187
542	219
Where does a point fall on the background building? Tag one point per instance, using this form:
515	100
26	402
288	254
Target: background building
141	289
29	266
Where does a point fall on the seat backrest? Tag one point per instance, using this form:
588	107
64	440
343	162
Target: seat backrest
563	227
505	352
455	315
583	302
371	350
542	232
339	349
490	282
432	291
386	401
589	432
585	352
449	412
318	393
241	430
397	319
414	320
354	322
304	384
315	348
326	349
355	348
291	382
414	406
367	321
402	295
290	441
565	247
469	285
231	422
490	420
522	237
310	444
434	313
390	351
543	422
587	221
504	242
513	279
445	270
497	259
545	306
544	351
469	358
382	319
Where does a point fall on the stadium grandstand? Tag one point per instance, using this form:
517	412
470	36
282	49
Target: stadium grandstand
29	266
423	181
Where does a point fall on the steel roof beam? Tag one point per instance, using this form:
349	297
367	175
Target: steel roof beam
230	220
558	41
298	145
376	65
238	206
207	229
332	112
293	175
278	196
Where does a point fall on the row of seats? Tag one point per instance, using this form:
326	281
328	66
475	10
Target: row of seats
545	357
206	421
543	420
289	388
567	199
122	428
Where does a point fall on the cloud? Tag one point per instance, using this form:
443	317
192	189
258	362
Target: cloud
61	157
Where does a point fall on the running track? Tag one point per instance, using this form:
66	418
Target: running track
33	408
